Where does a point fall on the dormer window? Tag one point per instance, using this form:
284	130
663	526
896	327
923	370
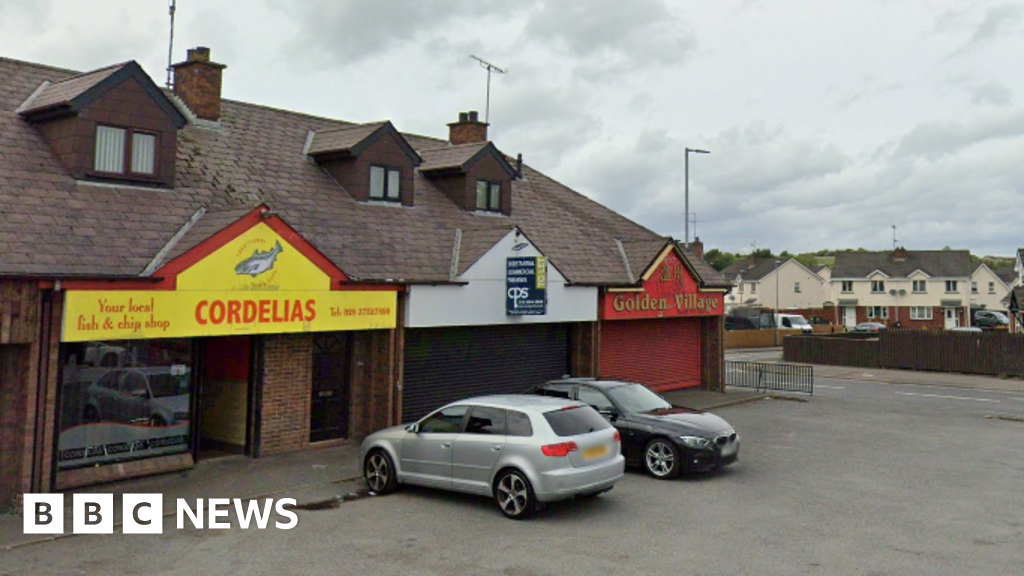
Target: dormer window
488	196
117	148
385	184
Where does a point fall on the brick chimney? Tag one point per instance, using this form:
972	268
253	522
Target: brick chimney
197	83
899	254
697	248
468	130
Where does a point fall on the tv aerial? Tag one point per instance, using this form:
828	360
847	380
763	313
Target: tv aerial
490	68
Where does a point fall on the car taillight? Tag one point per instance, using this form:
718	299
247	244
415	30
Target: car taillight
558	450
618	437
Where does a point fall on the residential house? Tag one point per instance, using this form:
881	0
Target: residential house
989	290
775	283
911	288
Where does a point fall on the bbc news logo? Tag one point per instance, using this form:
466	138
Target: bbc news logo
144	513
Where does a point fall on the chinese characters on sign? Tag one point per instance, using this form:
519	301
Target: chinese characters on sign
670	292
526	279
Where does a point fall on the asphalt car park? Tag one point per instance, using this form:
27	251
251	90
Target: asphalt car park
864	478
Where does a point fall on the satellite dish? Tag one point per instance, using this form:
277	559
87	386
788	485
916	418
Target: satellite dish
892	292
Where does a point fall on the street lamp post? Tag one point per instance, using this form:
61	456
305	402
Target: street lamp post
686	162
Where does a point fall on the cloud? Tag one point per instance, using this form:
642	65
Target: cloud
935	139
612	37
993	93
998	21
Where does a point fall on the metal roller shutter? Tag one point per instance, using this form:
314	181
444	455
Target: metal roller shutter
447	364
663	354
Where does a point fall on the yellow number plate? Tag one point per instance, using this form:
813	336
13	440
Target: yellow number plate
595	452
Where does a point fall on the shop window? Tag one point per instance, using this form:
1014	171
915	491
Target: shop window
117	148
124	400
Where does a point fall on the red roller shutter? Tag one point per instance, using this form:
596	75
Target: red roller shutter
663	354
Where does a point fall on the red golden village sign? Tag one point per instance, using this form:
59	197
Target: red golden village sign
669	292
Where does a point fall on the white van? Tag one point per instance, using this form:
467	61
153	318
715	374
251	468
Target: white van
792	322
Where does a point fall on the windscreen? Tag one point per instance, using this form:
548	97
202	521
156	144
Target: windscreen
576	421
636	398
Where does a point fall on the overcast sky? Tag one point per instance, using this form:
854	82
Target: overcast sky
828	122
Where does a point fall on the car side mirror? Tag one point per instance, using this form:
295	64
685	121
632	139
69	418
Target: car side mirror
609	413
413	428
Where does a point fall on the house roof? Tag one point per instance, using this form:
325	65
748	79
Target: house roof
69	95
54	226
751	270
935	263
1005	273
353	139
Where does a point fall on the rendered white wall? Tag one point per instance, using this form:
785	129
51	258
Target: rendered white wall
482	300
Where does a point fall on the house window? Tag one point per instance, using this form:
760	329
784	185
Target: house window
877	286
753	288
488	196
920	313
920	286
385	184
991	287
974	287
120	147
951	286
880	312
847	286
796	287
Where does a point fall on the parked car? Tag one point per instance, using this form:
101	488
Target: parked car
793	322
520	450
152	396
739	323
662	438
865	327
974	329
990	319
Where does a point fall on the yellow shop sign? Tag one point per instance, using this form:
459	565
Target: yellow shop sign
100	315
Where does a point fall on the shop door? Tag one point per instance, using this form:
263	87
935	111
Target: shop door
663	354
328	417
443	365
224	388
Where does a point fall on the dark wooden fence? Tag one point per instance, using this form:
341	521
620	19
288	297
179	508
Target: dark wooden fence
989	353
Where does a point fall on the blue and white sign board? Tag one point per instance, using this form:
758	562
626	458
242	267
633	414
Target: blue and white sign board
526	280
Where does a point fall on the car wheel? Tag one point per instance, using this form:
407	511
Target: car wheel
661	459
90	415
379	472
514	495
156	421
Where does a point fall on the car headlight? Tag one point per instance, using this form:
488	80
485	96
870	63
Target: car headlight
695	442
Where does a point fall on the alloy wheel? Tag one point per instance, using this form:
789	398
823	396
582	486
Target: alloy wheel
660	459
377	472
513	495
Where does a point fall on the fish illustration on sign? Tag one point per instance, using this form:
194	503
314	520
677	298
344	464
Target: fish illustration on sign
259	262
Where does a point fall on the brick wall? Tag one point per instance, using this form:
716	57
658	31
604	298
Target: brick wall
371	385
15	462
712	349
197	81
287	388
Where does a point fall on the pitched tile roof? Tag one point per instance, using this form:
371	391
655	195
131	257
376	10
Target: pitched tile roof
50	224
640	254
706	274
450	157
475	243
62	92
935	263
750	269
1006	273
341	139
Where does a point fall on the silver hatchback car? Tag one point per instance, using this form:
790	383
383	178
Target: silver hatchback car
521	450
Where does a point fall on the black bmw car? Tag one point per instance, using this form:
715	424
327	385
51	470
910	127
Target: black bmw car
663	438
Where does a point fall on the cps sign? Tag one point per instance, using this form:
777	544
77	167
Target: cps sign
526	286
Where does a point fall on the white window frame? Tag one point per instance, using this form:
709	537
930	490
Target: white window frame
921	313
991	287
879	312
878	286
846	286
753	287
796	287
974	287
920	286
952	287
